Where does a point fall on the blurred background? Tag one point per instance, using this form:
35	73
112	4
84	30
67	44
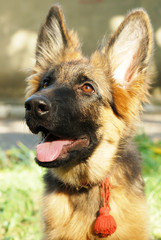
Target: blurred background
20	177
93	20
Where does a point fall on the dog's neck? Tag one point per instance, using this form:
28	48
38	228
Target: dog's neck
53	183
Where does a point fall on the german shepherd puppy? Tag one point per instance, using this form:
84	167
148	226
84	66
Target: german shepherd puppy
87	110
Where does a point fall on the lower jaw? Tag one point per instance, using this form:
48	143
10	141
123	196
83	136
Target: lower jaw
70	152
67	160
54	164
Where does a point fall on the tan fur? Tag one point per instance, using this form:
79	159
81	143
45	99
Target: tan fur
128	209
58	47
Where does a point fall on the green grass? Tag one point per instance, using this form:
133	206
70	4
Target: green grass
21	190
151	154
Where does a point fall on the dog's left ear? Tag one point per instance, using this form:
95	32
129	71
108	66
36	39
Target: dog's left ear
128	54
54	40
129	49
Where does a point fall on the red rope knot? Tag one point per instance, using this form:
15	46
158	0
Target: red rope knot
105	224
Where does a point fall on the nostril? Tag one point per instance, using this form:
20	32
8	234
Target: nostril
37	106
42	108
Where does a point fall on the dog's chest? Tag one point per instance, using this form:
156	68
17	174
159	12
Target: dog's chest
70	216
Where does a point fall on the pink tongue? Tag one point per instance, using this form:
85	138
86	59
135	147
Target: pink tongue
49	151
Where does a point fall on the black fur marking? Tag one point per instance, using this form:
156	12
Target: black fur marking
130	158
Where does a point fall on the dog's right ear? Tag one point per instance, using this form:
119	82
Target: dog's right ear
54	45
54	40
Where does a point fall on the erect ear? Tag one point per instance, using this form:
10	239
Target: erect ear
129	49
53	39
54	45
128	54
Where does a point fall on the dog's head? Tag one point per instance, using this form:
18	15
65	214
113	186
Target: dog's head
84	107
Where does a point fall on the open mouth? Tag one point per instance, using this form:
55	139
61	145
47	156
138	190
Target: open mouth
56	148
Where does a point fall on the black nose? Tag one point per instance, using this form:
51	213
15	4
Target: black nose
38	105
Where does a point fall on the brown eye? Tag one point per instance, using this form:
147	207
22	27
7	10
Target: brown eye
87	88
45	83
